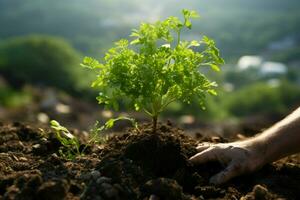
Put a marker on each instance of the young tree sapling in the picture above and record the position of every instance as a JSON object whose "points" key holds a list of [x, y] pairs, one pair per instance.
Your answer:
{"points": [[156, 68]]}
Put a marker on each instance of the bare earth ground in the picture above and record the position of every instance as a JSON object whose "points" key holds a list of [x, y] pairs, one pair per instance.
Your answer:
{"points": [[129, 166]]}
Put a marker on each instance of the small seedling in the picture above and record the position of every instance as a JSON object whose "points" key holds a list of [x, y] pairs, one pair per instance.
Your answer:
{"points": [[95, 133], [67, 139], [156, 68], [71, 142]]}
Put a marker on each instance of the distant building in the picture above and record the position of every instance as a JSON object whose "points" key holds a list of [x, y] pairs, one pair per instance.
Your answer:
{"points": [[264, 68], [273, 68], [246, 62]]}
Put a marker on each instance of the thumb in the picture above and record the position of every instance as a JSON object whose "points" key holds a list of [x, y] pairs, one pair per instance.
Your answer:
{"points": [[233, 170], [204, 156]]}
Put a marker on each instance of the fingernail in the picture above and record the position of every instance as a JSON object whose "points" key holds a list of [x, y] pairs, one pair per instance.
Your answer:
{"points": [[191, 159]]}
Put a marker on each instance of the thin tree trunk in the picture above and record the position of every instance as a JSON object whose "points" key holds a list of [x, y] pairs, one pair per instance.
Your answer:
{"points": [[154, 123]]}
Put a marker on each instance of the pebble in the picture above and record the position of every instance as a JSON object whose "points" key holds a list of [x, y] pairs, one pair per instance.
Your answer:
{"points": [[247, 197], [95, 174], [23, 159], [53, 190], [216, 139], [109, 190], [21, 144], [260, 192], [102, 180], [44, 139], [54, 155], [153, 197], [106, 186], [36, 146], [15, 157]]}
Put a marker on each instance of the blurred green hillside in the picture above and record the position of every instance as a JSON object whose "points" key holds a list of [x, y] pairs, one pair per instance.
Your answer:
{"points": [[239, 26], [42, 43]]}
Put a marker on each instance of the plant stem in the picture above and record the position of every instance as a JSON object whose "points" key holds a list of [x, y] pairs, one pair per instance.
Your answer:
{"points": [[178, 38], [154, 123]]}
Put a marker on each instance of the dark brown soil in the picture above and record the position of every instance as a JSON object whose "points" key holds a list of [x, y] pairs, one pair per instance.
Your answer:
{"points": [[129, 166]]}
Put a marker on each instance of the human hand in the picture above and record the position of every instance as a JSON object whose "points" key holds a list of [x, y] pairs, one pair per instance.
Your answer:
{"points": [[238, 157]]}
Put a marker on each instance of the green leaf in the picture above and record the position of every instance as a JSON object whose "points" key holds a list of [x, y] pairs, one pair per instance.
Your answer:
{"points": [[137, 41], [187, 14], [212, 92], [110, 123], [194, 43], [61, 129], [122, 43], [166, 45], [137, 106], [54, 123], [194, 14], [67, 140], [215, 67], [91, 63], [188, 24], [134, 33]]}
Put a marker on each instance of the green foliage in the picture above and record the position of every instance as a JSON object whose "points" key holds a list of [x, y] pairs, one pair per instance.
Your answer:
{"points": [[254, 99], [111, 122], [288, 55], [67, 139], [261, 98], [40, 60], [95, 132], [240, 27], [12, 98], [242, 78], [71, 145], [156, 68]]}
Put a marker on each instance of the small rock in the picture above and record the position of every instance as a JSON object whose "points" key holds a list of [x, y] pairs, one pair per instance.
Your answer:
{"points": [[53, 190], [260, 192], [247, 197], [54, 159], [11, 192], [110, 192], [102, 180], [21, 144], [36, 146], [54, 155], [95, 174], [106, 186], [23, 159], [201, 197], [164, 188], [216, 139], [42, 117], [153, 197], [15, 158]]}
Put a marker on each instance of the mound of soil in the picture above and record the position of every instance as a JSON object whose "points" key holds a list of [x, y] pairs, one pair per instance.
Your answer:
{"points": [[129, 166]]}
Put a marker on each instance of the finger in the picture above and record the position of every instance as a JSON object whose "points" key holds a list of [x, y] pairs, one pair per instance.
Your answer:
{"points": [[203, 146], [233, 170], [204, 156]]}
